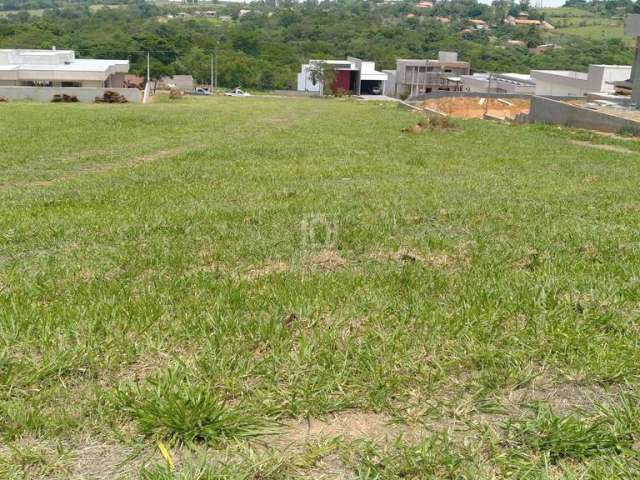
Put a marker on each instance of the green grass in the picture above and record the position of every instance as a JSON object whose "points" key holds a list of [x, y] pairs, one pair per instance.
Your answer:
{"points": [[584, 24], [220, 274]]}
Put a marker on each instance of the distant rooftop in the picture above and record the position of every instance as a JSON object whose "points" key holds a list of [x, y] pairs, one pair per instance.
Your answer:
{"points": [[27, 64]]}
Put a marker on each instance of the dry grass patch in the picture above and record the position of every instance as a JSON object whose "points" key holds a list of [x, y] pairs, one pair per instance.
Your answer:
{"points": [[561, 397], [268, 268], [608, 148], [325, 260], [434, 260]]}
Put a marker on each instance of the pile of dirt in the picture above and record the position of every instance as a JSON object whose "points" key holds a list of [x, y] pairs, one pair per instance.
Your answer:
{"points": [[474, 107], [3, 99], [64, 98], [430, 123], [111, 97], [175, 94]]}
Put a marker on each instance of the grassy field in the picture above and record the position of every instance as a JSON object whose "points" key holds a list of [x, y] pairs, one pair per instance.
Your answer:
{"points": [[582, 23], [285, 288]]}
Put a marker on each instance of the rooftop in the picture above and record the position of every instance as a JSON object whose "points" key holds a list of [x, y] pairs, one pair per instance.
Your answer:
{"points": [[61, 64]]}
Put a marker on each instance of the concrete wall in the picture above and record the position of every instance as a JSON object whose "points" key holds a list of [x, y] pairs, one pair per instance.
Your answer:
{"points": [[444, 94], [553, 89], [45, 94], [546, 110]]}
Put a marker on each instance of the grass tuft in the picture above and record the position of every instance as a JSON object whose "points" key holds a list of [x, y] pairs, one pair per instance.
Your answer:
{"points": [[187, 411], [569, 436]]}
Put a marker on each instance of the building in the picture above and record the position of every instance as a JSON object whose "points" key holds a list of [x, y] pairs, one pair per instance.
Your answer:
{"points": [[540, 49], [351, 75], [566, 83], [479, 24], [39, 74], [512, 83], [424, 4], [516, 43], [414, 77], [58, 68], [523, 20], [181, 82]]}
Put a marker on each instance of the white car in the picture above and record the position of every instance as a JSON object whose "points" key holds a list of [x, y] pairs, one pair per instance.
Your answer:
{"points": [[236, 92]]}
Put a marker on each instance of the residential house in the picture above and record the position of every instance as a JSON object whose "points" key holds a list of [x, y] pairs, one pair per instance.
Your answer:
{"points": [[414, 77], [543, 48], [511, 83], [351, 75], [39, 74], [565, 83], [424, 4], [479, 24], [523, 20]]}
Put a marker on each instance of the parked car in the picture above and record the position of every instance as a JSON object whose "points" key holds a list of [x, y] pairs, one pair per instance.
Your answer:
{"points": [[201, 91], [237, 92]]}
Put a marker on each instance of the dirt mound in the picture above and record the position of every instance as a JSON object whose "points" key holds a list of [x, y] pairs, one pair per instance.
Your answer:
{"points": [[111, 97], [64, 98], [474, 107], [175, 94]]}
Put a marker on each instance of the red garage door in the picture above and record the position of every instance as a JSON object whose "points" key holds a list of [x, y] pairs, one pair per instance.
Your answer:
{"points": [[343, 78]]}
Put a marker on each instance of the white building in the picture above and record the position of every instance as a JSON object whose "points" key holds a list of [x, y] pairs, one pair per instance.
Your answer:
{"points": [[515, 83], [42, 71], [351, 75], [566, 83], [59, 68]]}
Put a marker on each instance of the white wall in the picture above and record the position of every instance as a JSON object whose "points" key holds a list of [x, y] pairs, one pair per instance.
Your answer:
{"points": [[556, 89], [45, 94], [600, 76], [304, 81]]}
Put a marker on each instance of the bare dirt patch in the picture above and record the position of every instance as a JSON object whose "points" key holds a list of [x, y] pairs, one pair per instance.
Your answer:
{"points": [[106, 461], [563, 398], [348, 425], [467, 107]]}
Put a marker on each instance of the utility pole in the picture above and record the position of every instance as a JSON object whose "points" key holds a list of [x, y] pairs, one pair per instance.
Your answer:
{"points": [[216, 69], [486, 105], [148, 68], [211, 80]]}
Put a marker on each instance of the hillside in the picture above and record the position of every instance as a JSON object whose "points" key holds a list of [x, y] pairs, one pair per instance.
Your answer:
{"points": [[264, 48], [586, 24], [279, 288]]}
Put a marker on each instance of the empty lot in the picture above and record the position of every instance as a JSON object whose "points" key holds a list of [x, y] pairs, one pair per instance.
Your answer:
{"points": [[286, 288]]}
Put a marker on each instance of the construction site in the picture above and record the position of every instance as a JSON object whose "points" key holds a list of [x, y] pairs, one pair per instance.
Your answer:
{"points": [[478, 107]]}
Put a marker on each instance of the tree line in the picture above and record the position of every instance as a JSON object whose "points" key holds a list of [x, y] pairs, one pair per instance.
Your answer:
{"points": [[264, 48]]}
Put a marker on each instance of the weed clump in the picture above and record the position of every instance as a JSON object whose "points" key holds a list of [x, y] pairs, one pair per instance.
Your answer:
{"points": [[430, 123], [185, 411], [565, 437]]}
